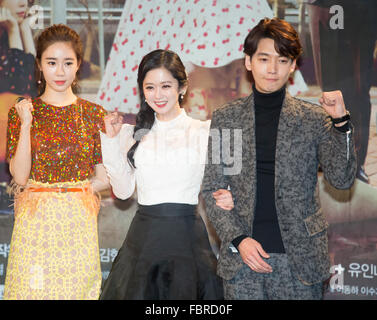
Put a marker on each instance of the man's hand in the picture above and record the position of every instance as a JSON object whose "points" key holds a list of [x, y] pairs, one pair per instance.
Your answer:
{"points": [[251, 253], [333, 103]]}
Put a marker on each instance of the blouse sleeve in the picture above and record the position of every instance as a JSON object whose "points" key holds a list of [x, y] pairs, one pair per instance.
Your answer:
{"points": [[114, 154], [13, 132]]}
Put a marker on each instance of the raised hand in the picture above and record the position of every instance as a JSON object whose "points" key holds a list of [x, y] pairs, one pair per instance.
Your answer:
{"points": [[224, 199], [333, 103], [24, 110], [113, 124], [28, 21], [6, 19]]}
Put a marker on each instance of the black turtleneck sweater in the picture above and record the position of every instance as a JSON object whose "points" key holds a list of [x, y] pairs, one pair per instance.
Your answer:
{"points": [[265, 226]]}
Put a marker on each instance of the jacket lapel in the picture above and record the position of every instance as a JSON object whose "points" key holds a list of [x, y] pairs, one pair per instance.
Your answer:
{"points": [[248, 127], [249, 165], [288, 124]]}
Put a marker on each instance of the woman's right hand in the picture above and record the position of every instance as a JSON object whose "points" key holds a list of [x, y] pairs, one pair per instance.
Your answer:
{"points": [[113, 124], [27, 22], [24, 109], [224, 199]]}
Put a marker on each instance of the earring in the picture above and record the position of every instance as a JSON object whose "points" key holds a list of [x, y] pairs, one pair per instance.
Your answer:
{"points": [[40, 77]]}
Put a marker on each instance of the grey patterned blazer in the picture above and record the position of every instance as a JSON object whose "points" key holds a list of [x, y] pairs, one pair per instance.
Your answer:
{"points": [[305, 139]]}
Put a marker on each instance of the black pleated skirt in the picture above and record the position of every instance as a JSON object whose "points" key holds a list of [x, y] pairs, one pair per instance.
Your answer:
{"points": [[166, 256]]}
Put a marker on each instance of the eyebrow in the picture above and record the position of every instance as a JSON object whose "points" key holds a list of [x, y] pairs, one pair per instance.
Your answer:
{"points": [[51, 58], [149, 83], [268, 55]]}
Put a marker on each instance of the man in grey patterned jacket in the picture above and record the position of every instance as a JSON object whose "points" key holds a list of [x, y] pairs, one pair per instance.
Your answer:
{"points": [[266, 148]]}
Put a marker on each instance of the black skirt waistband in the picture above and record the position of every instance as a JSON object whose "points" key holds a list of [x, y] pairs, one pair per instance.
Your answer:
{"points": [[168, 209]]}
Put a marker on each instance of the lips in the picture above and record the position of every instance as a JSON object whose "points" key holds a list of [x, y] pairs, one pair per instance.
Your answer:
{"points": [[60, 83], [21, 14], [160, 104]]}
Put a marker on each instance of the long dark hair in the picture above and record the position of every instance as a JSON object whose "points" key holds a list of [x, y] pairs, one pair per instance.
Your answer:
{"points": [[49, 36], [145, 117]]}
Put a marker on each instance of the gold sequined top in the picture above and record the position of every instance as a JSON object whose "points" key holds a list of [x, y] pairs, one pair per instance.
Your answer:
{"points": [[65, 141]]}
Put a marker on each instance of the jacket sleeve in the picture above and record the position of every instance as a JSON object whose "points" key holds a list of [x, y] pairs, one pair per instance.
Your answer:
{"points": [[226, 223], [337, 155]]}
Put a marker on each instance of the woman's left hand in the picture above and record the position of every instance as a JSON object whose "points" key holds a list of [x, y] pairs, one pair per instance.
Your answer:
{"points": [[224, 199]]}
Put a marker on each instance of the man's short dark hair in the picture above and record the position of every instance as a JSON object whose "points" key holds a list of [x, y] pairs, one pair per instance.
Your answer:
{"points": [[287, 42]]}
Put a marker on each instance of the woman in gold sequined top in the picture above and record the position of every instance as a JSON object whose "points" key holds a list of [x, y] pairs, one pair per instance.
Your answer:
{"points": [[54, 154]]}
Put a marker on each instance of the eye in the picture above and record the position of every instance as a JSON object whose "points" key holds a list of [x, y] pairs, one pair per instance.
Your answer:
{"points": [[166, 86], [283, 61], [51, 63], [69, 63], [148, 88]]}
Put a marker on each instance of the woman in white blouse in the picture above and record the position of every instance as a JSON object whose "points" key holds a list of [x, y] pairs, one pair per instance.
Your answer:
{"points": [[166, 254]]}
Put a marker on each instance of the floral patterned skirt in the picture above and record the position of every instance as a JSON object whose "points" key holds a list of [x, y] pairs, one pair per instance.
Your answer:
{"points": [[54, 250]]}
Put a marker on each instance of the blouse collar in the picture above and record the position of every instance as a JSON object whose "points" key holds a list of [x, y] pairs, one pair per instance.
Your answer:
{"points": [[171, 123]]}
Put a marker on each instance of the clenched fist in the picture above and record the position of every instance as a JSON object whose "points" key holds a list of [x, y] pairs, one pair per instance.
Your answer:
{"points": [[113, 124], [333, 103], [24, 109]]}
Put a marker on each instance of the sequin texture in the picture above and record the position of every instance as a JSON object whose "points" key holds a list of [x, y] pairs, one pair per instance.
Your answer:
{"points": [[65, 141]]}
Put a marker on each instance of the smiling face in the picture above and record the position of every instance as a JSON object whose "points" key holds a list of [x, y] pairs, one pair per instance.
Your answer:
{"points": [[59, 66], [161, 91], [17, 8], [270, 70]]}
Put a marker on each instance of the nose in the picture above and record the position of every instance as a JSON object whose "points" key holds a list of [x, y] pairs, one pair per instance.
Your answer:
{"points": [[157, 93], [272, 66], [59, 69]]}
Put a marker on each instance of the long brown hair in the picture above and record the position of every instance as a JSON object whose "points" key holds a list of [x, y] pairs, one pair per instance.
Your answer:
{"points": [[49, 36]]}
